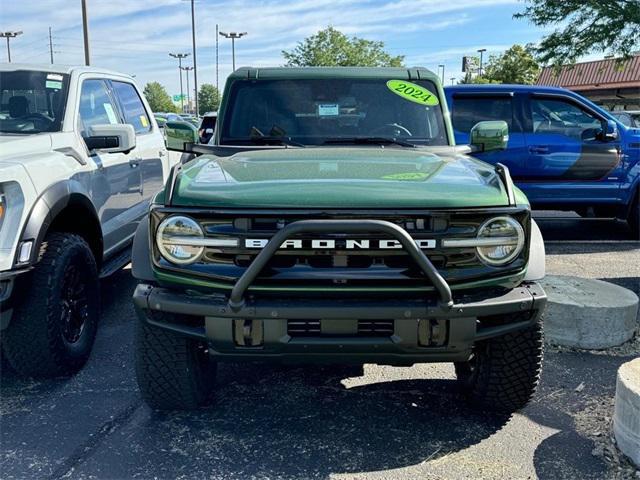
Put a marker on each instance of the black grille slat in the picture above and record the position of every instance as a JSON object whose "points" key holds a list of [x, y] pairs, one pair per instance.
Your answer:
{"points": [[366, 328]]}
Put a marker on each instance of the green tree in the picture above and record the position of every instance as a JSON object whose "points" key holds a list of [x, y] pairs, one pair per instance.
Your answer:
{"points": [[332, 48], [584, 26], [208, 98], [158, 98], [516, 65]]}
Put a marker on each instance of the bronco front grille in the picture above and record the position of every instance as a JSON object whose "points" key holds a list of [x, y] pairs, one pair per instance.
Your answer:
{"points": [[368, 267]]}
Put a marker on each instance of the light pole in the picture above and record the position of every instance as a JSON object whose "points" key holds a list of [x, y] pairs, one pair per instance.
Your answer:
{"points": [[452, 80], [481, 51], [186, 69], [195, 62], [85, 32], [180, 56], [439, 66], [9, 36], [233, 36]]}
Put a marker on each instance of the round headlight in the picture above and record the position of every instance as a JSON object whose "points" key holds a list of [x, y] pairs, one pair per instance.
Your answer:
{"points": [[500, 240], [177, 239]]}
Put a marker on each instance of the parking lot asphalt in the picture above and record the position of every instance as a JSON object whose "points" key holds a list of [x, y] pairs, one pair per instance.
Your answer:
{"points": [[269, 421]]}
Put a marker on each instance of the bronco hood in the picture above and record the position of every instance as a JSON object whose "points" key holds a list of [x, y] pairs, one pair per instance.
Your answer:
{"points": [[339, 177]]}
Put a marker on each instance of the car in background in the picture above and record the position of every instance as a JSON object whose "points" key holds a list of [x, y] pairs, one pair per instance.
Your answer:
{"points": [[564, 152], [207, 126], [629, 118], [187, 117]]}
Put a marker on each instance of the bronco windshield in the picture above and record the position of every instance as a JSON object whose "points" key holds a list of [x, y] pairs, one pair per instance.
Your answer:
{"points": [[31, 101], [333, 111]]}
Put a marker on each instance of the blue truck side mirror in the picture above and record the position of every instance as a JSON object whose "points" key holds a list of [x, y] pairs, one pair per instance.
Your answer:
{"points": [[609, 130]]}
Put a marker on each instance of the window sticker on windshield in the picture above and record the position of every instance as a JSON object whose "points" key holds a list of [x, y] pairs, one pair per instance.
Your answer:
{"points": [[110, 113], [54, 76], [53, 84], [328, 109], [143, 121], [413, 92]]}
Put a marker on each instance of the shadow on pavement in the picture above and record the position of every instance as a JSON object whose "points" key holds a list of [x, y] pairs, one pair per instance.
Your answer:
{"points": [[567, 228], [277, 421], [577, 415]]}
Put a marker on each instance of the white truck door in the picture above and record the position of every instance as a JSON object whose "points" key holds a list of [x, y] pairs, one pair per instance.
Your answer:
{"points": [[149, 141], [116, 185]]}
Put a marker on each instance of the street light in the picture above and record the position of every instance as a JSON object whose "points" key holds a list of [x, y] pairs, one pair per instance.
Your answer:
{"points": [[186, 69], [233, 36], [481, 51], [9, 36], [452, 80], [180, 56]]}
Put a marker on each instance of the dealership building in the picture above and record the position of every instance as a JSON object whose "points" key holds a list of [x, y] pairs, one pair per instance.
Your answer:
{"points": [[615, 86]]}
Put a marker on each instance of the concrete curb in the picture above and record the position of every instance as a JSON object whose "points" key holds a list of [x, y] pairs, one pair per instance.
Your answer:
{"points": [[626, 418], [588, 313]]}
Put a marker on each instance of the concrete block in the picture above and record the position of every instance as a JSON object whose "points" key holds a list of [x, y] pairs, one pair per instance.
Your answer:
{"points": [[626, 418], [588, 313]]}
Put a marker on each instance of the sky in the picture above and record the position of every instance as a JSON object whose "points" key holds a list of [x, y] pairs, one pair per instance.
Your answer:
{"points": [[136, 36]]}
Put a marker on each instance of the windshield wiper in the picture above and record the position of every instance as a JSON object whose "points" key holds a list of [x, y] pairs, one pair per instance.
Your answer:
{"points": [[273, 140], [368, 141], [276, 136]]}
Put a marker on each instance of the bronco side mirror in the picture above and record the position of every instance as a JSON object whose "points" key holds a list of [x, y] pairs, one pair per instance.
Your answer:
{"points": [[488, 136], [177, 134]]}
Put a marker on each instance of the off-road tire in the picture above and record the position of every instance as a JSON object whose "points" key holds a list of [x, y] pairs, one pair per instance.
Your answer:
{"points": [[173, 372], [36, 343], [503, 372]]}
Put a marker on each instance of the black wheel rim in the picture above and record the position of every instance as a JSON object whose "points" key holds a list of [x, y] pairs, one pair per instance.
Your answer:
{"points": [[74, 305]]}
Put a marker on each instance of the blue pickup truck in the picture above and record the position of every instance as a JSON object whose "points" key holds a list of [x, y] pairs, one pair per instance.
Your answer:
{"points": [[564, 152]]}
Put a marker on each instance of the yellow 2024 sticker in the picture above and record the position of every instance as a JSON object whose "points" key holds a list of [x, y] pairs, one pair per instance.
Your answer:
{"points": [[412, 92]]}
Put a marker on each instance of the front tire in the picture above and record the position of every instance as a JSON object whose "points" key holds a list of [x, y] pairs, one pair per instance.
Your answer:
{"points": [[173, 372], [503, 372], [54, 326]]}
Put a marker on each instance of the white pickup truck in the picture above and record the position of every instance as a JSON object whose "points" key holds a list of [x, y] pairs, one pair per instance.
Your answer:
{"points": [[81, 155]]}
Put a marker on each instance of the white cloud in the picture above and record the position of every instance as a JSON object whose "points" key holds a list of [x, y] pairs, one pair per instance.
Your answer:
{"points": [[136, 36]]}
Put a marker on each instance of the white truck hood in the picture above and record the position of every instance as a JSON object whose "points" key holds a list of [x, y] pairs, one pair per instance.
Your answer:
{"points": [[15, 147]]}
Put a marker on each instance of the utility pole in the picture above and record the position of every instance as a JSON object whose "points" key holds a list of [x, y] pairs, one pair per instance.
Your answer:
{"points": [[233, 36], [452, 80], [50, 46], [195, 63], [180, 56], [9, 36], [85, 31], [186, 69], [481, 51], [217, 62], [441, 66]]}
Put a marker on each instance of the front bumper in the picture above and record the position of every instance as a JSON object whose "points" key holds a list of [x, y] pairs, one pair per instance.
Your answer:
{"points": [[259, 328], [8, 280]]}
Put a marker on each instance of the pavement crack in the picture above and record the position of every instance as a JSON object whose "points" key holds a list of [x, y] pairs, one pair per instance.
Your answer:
{"points": [[85, 450]]}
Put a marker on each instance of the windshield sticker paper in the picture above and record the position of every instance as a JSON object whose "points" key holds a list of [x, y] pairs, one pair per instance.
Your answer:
{"points": [[328, 110], [143, 121], [110, 113], [54, 76], [57, 85], [413, 92]]}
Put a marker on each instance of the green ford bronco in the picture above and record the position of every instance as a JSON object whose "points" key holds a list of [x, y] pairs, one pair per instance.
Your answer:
{"points": [[332, 218]]}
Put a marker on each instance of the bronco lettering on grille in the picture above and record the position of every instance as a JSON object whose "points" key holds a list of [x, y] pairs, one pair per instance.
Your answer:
{"points": [[338, 244]]}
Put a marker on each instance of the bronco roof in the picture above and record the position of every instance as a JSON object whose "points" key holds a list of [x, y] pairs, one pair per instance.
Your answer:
{"points": [[413, 73]]}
